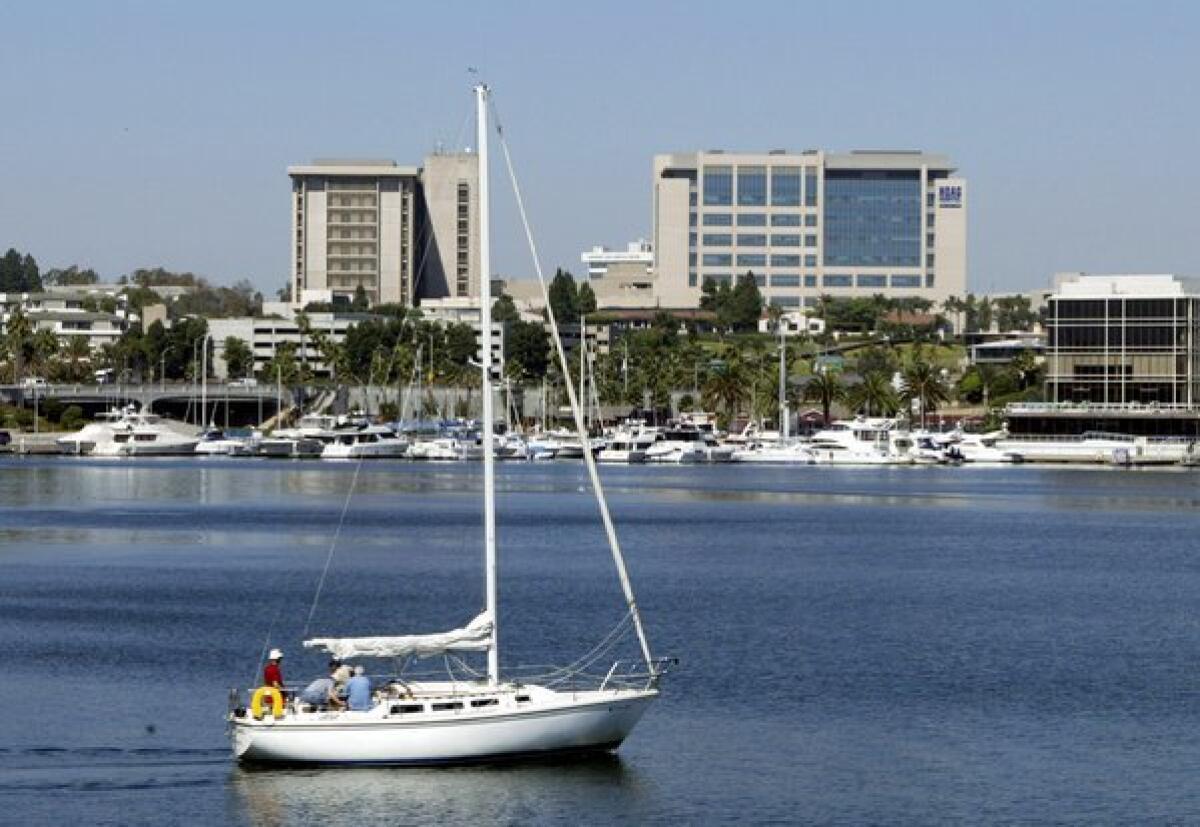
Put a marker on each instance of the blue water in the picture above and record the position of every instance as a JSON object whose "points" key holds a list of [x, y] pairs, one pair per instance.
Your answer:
{"points": [[910, 645]]}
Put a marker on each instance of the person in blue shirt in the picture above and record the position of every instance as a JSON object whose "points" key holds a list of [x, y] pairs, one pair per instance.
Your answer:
{"points": [[358, 691]]}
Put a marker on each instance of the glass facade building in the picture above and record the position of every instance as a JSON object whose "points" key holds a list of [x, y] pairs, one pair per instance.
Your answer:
{"points": [[809, 223], [1134, 339]]}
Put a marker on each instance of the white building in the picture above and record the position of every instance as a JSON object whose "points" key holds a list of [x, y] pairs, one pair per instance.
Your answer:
{"points": [[71, 313], [621, 278], [809, 223]]}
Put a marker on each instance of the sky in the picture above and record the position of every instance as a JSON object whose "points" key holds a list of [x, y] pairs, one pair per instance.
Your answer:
{"points": [[142, 134]]}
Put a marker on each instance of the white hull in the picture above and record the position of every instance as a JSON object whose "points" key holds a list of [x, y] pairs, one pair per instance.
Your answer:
{"points": [[551, 722], [617, 455], [775, 456], [145, 449], [827, 456], [1100, 451], [392, 449]]}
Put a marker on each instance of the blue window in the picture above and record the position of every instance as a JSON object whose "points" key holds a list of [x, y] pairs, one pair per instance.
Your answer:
{"points": [[929, 280], [691, 219], [718, 186], [785, 280], [760, 280], [692, 198], [785, 301], [929, 259], [871, 280], [717, 278], [752, 186], [717, 260], [785, 261], [810, 220], [785, 220], [752, 240], [691, 239], [718, 240], [837, 281], [810, 186], [718, 219], [812, 301], [899, 280], [785, 240], [810, 281], [752, 260], [692, 259], [691, 278], [752, 219], [810, 260], [785, 186], [810, 240], [872, 218]]}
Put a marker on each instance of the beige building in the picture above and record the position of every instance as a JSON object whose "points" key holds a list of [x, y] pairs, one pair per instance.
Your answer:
{"points": [[809, 224], [621, 278], [398, 232]]}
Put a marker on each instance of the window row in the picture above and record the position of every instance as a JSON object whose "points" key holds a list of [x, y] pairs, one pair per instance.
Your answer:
{"points": [[758, 186]]}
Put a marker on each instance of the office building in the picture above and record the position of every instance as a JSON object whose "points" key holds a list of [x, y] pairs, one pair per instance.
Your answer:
{"points": [[400, 233], [810, 223], [1123, 339]]}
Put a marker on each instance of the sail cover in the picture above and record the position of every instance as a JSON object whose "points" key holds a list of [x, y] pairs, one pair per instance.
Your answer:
{"points": [[474, 637]]}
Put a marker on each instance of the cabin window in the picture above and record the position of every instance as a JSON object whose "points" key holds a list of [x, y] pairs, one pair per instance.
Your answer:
{"points": [[485, 702], [522, 699], [446, 707], [407, 709]]}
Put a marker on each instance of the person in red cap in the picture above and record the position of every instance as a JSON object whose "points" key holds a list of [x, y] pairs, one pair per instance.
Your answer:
{"points": [[272, 672]]}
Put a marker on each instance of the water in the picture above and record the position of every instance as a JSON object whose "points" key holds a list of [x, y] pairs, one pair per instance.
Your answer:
{"points": [[910, 645]]}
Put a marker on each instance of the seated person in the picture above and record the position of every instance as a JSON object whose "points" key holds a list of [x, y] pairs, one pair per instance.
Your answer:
{"points": [[358, 691], [321, 694]]}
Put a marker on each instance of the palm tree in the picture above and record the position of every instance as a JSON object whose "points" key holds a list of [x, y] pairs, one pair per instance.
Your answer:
{"points": [[77, 352], [874, 395], [726, 390], [955, 306], [826, 388], [923, 382], [17, 337], [45, 348]]}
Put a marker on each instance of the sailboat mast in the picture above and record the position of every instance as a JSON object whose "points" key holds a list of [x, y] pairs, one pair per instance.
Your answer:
{"points": [[489, 415]]}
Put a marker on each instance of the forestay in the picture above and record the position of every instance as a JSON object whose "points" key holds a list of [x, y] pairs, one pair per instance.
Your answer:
{"points": [[474, 637]]}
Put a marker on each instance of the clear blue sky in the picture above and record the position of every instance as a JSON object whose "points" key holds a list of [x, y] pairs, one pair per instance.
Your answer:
{"points": [[158, 133]]}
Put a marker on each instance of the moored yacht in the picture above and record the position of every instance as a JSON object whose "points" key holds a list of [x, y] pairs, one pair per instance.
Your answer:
{"points": [[861, 441], [363, 441]]}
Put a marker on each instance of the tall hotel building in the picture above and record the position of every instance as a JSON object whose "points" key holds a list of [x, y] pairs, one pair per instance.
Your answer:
{"points": [[400, 232], [809, 224]]}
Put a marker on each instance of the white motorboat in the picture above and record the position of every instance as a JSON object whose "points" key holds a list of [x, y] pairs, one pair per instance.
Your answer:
{"points": [[861, 441], [980, 449], [364, 442], [281, 445], [129, 433], [627, 445], [791, 452], [216, 442], [687, 443], [446, 449], [480, 717]]}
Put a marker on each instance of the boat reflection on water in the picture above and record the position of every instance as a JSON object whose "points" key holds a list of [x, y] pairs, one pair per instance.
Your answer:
{"points": [[504, 793]]}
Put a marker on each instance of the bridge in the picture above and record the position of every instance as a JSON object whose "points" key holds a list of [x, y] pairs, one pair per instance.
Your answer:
{"points": [[232, 404]]}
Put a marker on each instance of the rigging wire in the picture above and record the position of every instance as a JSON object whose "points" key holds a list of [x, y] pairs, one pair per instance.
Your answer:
{"points": [[332, 547]]}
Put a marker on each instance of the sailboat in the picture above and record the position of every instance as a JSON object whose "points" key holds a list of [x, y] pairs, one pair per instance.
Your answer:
{"points": [[466, 716]]}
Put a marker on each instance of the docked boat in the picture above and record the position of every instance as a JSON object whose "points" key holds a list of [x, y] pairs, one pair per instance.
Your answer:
{"points": [[217, 442], [129, 433], [627, 445], [862, 441], [363, 441], [687, 443], [465, 716], [775, 452], [446, 449]]}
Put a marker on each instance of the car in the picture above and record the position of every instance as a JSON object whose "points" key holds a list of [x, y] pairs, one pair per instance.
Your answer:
{"points": [[244, 382]]}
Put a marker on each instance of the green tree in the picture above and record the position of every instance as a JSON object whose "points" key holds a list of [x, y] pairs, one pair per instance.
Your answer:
{"points": [[922, 382], [564, 299], [726, 390], [78, 358], [70, 276], [19, 273], [825, 388], [360, 303], [585, 299], [239, 358], [504, 310], [527, 349], [874, 395], [18, 340], [747, 304]]}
